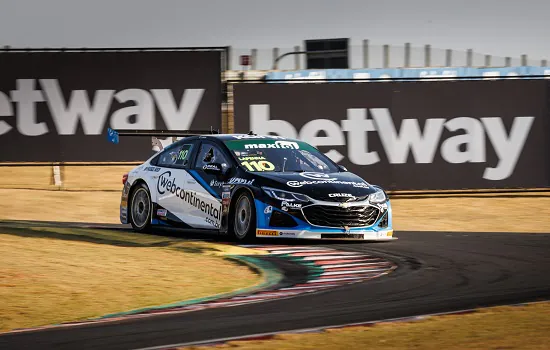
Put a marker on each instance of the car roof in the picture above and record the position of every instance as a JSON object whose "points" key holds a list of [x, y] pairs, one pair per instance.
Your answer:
{"points": [[228, 137]]}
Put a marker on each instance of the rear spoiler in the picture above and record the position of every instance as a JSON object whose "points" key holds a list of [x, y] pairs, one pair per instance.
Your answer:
{"points": [[113, 136]]}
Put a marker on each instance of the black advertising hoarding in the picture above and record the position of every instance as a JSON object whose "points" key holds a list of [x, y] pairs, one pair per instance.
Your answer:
{"points": [[412, 135], [57, 106]]}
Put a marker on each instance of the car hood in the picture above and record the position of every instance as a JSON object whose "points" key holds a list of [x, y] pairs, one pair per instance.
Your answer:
{"points": [[338, 187]]}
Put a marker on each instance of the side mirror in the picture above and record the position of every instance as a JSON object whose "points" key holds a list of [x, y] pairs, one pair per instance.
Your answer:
{"points": [[343, 168], [214, 169]]}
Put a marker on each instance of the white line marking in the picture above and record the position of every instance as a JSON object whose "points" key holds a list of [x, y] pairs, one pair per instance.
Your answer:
{"points": [[332, 257], [351, 272], [328, 267]]}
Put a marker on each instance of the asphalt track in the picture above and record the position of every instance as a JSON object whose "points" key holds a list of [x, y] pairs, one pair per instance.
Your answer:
{"points": [[438, 272]]}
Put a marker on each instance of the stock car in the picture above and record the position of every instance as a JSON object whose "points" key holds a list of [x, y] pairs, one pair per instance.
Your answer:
{"points": [[249, 185]]}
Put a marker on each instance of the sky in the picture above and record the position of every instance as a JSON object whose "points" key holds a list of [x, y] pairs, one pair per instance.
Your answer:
{"points": [[496, 27]]}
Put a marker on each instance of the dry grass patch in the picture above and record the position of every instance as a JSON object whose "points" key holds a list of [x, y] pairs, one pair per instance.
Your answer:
{"points": [[481, 214], [498, 328], [97, 207], [46, 281]]}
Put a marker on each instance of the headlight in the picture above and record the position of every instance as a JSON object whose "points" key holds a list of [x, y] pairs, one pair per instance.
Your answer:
{"points": [[378, 197], [285, 195]]}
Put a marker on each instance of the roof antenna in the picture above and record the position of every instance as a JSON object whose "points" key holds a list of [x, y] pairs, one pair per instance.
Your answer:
{"points": [[251, 133]]}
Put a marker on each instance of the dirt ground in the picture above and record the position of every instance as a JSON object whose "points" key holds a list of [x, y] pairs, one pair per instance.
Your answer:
{"points": [[92, 194]]}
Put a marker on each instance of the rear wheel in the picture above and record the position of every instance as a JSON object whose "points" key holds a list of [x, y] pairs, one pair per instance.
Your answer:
{"points": [[243, 218], [140, 209]]}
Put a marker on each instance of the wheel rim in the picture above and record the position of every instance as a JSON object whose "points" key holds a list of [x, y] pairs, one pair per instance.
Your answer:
{"points": [[243, 216], [141, 205]]}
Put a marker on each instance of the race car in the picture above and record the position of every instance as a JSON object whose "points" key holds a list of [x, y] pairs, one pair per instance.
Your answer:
{"points": [[248, 186]]}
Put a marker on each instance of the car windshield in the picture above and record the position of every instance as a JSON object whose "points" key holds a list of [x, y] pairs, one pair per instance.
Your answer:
{"points": [[261, 155]]}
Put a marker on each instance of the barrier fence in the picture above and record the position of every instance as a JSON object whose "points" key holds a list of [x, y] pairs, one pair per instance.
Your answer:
{"points": [[431, 134], [56, 104]]}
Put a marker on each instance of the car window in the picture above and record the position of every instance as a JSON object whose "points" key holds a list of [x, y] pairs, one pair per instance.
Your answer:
{"points": [[177, 156], [210, 153], [261, 155]]}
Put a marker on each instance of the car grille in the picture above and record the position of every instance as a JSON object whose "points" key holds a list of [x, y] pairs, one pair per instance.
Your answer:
{"points": [[340, 199], [384, 222], [332, 216]]}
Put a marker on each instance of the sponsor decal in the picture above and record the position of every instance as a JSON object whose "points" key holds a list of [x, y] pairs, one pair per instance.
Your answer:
{"points": [[226, 188], [266, 233], [321, 182], [398, 144], [317, 176], [268, 209], [210, 167], [167, 183], [347, 195], [239, 181], [162, 212], [216, 183], [287, 205], [251, 158], [92, 109], [124, 203], [152, 168], [226, 195], [287, 234], [276, 144]]}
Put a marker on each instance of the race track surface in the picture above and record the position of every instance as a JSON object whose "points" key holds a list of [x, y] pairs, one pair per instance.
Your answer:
{"points": [[437, 272]]}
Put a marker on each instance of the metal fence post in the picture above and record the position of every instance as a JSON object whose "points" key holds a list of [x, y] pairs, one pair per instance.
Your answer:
{"points": [[275, 55], [228, 59], [487, 60], [407, 55], [427, 55], [448, 58], [508, 61], [386, 56], [253, 58], [469, 57], [524, 60], [365, 53], [297, 58]]}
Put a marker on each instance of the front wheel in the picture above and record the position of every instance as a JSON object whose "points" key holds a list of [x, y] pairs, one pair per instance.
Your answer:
{"points": [[243, 218], [140, 209]]}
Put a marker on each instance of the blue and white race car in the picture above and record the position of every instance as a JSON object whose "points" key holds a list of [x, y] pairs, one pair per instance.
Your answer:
{"points": [[248, 185]]}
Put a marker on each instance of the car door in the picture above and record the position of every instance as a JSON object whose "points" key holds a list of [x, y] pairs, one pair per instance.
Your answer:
{"points": [[173, 197], [208, 187]]}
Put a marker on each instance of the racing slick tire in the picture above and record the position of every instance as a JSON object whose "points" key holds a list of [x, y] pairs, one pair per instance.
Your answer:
{"points": [[242, 220], [140, 209]]}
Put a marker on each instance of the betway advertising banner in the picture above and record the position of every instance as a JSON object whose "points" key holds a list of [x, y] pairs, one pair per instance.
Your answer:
{"points": [[57, 106], [412, 135]]}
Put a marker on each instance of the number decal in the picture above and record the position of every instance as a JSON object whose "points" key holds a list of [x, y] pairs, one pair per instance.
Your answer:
{"points": [[262, 165]]}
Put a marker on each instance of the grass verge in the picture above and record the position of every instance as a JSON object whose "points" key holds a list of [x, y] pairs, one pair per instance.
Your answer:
{"points": [[510, 327], [52, 275], [458, 214], [92, 194]]}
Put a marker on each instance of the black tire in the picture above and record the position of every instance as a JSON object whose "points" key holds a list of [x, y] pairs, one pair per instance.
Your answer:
{"points": [[140, 208], [242, 219]]}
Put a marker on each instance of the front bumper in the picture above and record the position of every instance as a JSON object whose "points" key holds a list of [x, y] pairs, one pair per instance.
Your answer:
{"points": [[380, 230], [355, 235]]}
